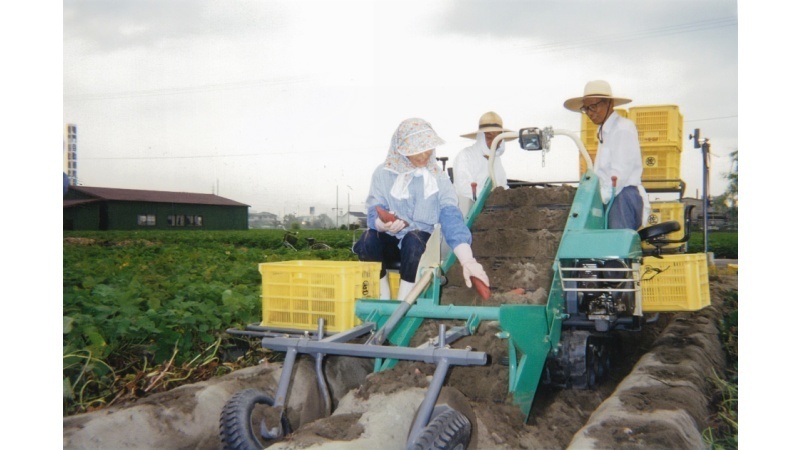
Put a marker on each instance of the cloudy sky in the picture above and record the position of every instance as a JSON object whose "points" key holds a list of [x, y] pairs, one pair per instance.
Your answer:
{"points": [[280, 104]]}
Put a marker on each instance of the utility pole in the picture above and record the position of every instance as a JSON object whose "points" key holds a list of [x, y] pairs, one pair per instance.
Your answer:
{"points": [[706, 152], [337, 206]]}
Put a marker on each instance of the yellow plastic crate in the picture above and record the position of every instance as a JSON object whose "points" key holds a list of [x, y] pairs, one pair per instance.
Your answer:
{"points": [[660, 163], [653, 185], [661, 212], [592, 154], [675, 283], [295, 294], [394, 283], [658, 125]]}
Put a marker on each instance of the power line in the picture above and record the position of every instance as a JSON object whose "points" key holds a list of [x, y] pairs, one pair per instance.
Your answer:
{"points": [[350, 150], [712, 118], [187, 90], [629, 36]]}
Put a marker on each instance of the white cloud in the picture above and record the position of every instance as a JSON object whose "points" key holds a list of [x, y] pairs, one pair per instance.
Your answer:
{"points": [[279, 102]]}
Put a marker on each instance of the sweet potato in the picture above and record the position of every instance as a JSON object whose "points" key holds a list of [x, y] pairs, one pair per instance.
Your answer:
{"points": [[385, 215], [481, 287]]}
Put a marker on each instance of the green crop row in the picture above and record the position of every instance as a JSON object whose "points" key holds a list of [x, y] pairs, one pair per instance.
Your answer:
{"points": [[134, 299], [724, 244]]}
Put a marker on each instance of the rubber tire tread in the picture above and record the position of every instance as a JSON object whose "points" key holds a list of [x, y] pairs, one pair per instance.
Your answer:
{"points": [[235, 429], [444, 432]]}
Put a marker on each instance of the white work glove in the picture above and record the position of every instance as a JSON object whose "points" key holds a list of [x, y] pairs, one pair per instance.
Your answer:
{"points": [[396, 226], [393, 227], [380, 226], [471, 267]]}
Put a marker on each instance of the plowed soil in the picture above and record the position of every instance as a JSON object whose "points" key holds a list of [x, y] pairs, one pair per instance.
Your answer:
{"points": [[657, 394], [516, 239]]}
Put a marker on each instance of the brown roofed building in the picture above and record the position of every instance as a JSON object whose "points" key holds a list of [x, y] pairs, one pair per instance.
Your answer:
{"points": [[98, 208]]}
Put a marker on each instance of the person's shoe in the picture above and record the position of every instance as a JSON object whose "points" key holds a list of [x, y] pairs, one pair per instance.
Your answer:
{"points": [[404, 289]]}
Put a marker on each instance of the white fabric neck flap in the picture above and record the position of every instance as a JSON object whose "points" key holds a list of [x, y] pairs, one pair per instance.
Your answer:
{"points": [[400, 186]]}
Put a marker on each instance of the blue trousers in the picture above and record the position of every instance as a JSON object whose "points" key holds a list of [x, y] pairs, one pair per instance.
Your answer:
{"points": [[384, 248], [626, 211]]}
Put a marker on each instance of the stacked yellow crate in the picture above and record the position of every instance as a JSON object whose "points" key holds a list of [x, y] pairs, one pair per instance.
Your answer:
{"points": [[661, 140], [664, 212]]}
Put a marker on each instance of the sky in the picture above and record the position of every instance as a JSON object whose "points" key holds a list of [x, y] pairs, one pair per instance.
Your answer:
{"points": [[280, 104], [288, 105]]}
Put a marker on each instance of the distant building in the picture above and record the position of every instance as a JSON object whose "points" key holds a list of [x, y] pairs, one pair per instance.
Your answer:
{"points": [[716, 220], [697, 211], [71, 154], [357, 219], [262, 220], [99, 208]]}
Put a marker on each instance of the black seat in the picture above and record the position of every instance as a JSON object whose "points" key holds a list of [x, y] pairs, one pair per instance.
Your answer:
{"points": [[659, 229], [654, 234]]}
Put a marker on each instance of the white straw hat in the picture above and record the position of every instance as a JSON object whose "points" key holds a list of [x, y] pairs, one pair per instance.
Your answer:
{"points": [[491, 121], [594, 89]]}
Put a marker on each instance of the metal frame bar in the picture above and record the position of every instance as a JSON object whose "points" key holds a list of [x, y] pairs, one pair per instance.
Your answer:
{"points": [[435, 351], [634, 279]]}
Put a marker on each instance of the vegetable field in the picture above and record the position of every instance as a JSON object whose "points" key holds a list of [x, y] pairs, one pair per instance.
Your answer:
{"points": [[144, 312], [147, 311]]}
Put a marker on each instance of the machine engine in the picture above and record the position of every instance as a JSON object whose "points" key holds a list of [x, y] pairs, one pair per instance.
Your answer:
{"points": [[601, 294]]}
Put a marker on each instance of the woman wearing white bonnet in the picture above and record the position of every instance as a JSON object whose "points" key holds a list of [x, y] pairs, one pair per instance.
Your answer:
{"points": [[411, 185]]}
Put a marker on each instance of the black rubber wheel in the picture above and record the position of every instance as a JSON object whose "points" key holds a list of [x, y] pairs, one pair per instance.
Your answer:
{"points": [[591, 368], [241, 429], [320, 246], [447, 430]]}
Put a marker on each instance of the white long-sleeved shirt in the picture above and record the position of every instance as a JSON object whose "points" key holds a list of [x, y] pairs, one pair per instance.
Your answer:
{"points": [[420, 212], [471, 165], [618, 155]]}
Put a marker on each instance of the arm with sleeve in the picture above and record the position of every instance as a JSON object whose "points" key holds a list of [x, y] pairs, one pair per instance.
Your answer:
{"points": [[619, 155], [376, 196]]}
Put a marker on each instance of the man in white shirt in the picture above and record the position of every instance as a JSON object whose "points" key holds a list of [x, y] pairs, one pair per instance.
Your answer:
{"points": [[471, 165], [619, 157]]}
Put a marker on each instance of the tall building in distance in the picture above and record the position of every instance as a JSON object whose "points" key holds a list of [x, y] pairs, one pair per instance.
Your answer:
{"points": [[71, 143]]}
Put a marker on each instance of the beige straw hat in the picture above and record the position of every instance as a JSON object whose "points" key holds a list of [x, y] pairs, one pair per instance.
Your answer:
{"points": [[491, 121], [594, 89]]}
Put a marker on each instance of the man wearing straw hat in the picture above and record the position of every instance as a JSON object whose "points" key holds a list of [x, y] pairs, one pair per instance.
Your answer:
{"points": [[618, 155], [471, 165]]}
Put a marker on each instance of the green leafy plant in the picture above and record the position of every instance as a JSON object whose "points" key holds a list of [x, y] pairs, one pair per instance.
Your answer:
{"points": [[724, 244], [138, 303], [723, 433]]}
